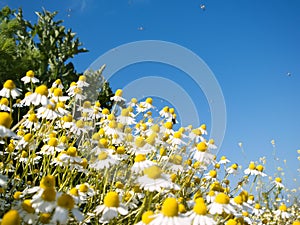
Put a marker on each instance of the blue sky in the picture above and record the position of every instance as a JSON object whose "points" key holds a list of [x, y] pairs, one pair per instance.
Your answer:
{"points": [[249, 45]]}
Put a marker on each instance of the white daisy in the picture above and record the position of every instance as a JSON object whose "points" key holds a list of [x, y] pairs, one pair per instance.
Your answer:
{"points": [[141, 163], [40, 96], [29, 78], [65, 205], [9, 90], [199, 215], [155, 180], [4, 105], [118, 96], [111, 208], [221, 204], [104, 160], [170, 214]]}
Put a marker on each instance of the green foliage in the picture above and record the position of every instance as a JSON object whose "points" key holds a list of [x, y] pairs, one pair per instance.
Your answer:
{"points": [[46, 47]]}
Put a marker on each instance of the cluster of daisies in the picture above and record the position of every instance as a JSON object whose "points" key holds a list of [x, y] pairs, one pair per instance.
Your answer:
{"points": [[67, 160]]}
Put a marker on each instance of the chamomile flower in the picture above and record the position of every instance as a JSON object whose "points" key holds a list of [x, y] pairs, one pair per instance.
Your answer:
{"points": [[5, 123], [104, 160], [58, 84], [51, 148], [170, 214], [12, 217], [164, 113], [27, 212], [199, 214], [223, 160], [118, 96], [82, 81], [85, 191], [111, 208], [57, 95], [40, 96], [257, 210], [233, 169], [201, 154], [155, 180], [251, 170], [282, 212], [144, 106], [278, 182], [125, 117], [66, 205], [29, 78], [31, 122], [141, 163], [48, 112], [221, 204], [70, 156], [4, 105], [147, 218], [9, 90]]}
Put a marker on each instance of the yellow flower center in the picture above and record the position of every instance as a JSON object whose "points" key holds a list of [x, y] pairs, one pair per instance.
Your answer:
{"points": [[172, 110], [42, 90], [203, 126], [231, 222], [24, 154], [213, 173], [80, 124], [83, 188], [5, 119], [82, 78], [57, 92], [260, 168], [103, 142], [222, 198], [102, 155], [49, 194], [283, 208], [223, 158], [72, 151], [111, 199], [200, 207], [68, 118], [53, 142], [244, 195], [119, 93], [202, 146], [234, 166], [151, 139], [113, 124], [9, 84], [140, 142], [257, 206], [17, 195], [33, 118], [177, 135], [120, 150], [47, 182], [12, 217], [153, 172], [251, 166], [26, 205], [45, 218], [176, 159], [74, 191], [4, 101], [147, 217], [169, 125], [125, 112], [66, 201], [170, 207], [155, 128], [30, 74], [140, 158], [238, 200], [296, 223], [149, 101], [278, 179]]}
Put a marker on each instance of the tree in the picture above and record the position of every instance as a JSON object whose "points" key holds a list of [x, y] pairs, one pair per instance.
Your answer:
{"points": [[46, 47]]}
